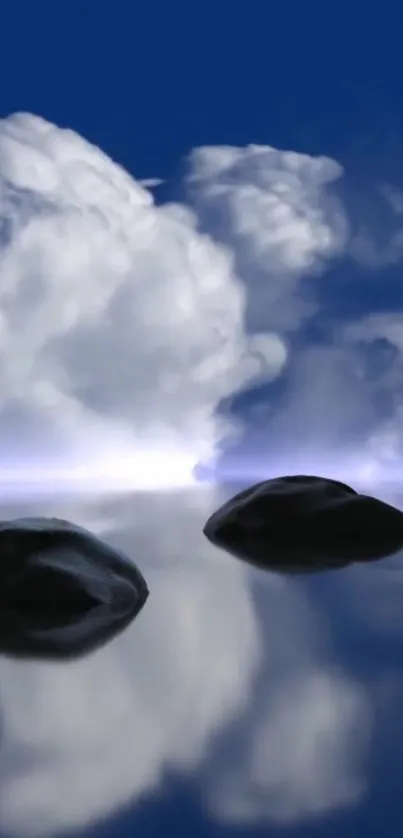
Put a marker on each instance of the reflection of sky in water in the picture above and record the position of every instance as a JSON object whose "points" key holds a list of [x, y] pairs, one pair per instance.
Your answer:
{"points": [[236, 698]]}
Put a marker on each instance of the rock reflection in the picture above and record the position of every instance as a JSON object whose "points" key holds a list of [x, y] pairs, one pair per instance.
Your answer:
{"points": [[63, 592], [303, 523]]}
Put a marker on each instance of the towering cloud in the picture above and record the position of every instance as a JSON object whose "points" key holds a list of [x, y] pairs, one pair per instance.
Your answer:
{"points": [[121, 325]]}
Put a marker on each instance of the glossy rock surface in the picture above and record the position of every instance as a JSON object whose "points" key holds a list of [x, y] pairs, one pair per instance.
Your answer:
{"points": [[302, 523], [63, 591]]}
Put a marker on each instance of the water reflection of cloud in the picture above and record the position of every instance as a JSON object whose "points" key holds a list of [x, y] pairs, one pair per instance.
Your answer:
{"points": [[305, 755], [207, 656], [374, 600]]}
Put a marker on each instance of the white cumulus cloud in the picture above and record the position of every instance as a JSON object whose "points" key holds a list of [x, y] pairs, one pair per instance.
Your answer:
{"points": [[277, 213], [119, 322]]}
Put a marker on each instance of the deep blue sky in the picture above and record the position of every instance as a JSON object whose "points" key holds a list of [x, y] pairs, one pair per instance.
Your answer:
{"points": [[148, 82]]}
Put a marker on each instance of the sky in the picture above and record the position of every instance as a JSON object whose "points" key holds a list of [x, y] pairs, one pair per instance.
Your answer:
{"points": [[201, 248]]}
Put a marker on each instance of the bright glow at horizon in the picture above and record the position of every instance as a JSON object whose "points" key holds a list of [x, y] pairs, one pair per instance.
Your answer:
{"points": [[111, 472], [364, 474]]}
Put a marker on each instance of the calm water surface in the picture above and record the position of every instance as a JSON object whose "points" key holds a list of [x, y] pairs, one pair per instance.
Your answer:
{"points": [[238, 703]]}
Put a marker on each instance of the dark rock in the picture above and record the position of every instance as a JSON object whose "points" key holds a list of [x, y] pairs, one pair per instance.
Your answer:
{"points": [[63, 591], [303, 523]]}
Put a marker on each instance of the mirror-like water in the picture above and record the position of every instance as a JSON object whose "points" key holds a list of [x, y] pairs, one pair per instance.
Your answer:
{"points": [[238, 700]]}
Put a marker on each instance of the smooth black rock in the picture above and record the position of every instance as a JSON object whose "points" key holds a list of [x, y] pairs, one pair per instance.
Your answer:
{"points": [[303, 523], [63, 591]]}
